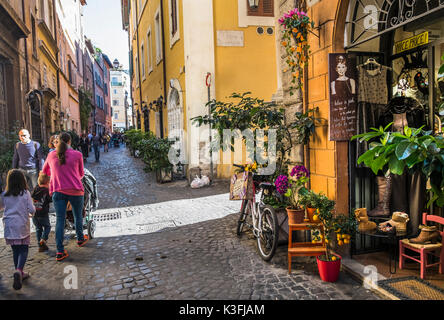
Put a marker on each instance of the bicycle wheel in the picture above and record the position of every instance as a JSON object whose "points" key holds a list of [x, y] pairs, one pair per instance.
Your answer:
{"points": [[268, 239], [244, 213]]}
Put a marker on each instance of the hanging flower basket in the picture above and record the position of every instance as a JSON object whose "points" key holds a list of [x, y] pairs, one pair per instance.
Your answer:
{"points": [[296, 26]]}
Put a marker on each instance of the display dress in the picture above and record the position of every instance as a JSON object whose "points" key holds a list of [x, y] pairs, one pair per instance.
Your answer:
{"points": [[372, 98]]}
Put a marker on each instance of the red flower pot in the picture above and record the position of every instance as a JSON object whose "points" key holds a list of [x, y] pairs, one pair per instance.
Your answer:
{"points": [[329, 270]]}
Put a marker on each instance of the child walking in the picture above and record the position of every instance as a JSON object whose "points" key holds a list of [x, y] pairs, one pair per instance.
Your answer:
{"points": [[41, 198], [18, 205]]}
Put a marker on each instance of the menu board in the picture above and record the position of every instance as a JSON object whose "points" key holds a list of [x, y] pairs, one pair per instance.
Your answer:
{"points": [[343, 96]]}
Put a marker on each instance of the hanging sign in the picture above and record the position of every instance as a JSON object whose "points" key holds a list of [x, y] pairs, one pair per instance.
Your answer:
{"points": [[343, 96], [411, 43]]}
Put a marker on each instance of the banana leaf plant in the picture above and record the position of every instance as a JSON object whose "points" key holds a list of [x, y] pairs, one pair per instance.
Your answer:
{"points": [[413, 150]]}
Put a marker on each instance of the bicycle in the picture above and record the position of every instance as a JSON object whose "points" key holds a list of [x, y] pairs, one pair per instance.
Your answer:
{"points": [[260, 218]]}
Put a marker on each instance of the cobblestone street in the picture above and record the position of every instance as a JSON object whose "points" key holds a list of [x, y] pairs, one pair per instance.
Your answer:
{"points": [[194, 255]]}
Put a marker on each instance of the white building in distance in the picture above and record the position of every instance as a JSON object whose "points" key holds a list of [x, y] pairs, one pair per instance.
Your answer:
{"points": [[120, 100]]}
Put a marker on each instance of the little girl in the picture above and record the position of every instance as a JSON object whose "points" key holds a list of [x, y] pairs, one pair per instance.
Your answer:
{"points": [[19, 207]]}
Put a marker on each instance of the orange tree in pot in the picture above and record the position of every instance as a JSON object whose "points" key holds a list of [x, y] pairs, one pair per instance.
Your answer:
{"points": [[292, 187], [337, 226]]}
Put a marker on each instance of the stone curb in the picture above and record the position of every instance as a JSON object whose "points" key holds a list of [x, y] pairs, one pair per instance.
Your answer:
{"points": [[356, 270]]}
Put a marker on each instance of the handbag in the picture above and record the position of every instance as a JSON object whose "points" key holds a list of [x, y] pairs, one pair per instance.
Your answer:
{"points": [[241, 186]]}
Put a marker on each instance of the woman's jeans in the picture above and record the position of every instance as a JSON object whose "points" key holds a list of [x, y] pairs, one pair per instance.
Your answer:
{"points": [[60, 201], [20, 254]]}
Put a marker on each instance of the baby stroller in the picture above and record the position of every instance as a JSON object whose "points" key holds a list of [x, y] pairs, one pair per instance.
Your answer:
{"points": [[90, 204]]}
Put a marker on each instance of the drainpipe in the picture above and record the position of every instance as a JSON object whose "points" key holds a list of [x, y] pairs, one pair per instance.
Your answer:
{"points": [[138, 67], [54, 14], [164, 70], [27, 66]]}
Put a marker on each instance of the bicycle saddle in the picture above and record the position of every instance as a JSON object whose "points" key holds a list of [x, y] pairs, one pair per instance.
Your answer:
{"points": [[266, 185]]}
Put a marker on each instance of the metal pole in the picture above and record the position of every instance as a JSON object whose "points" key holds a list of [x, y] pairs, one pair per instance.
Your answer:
{"points": [[209, 124]]}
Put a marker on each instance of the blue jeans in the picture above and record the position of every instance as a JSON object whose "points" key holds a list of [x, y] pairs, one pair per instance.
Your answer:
{"points": [[60, 201], [20, 254], [42, 227], [97, 152]]}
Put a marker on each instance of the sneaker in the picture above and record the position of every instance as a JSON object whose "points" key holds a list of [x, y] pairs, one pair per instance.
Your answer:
{"points": [[42, 246], [17, 285], [61, 255], [25, 275], [81, 243]]}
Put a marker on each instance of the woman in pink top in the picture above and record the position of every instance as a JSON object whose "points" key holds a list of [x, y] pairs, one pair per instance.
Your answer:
{"points": [[65, 167]]}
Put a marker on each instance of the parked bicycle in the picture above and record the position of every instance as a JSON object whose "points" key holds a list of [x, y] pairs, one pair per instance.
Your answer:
{"points": [[260, 218]]}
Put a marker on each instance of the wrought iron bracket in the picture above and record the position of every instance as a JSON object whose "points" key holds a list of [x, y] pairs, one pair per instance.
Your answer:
{"points": [[318, 29]]}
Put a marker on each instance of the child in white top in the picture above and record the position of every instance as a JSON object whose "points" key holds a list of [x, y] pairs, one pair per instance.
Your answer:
{"points": [[19, 208]]}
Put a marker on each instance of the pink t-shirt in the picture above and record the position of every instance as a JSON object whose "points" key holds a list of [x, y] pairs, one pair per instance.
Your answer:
{"points": [[68, 177]]}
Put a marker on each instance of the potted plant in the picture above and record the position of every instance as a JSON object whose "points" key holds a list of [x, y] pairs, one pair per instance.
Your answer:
{"points": [[296, 26], [343, 226], [310, 201], [414, 150], [292, 187]]}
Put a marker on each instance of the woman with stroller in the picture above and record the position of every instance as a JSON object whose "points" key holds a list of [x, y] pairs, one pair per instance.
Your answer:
{"points": [[65, 167]]}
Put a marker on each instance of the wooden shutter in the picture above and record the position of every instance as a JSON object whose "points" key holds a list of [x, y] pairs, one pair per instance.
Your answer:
{"points": [[264, 9]]}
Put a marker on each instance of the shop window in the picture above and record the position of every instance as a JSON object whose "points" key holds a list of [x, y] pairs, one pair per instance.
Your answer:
{"points": [[264, 9]]}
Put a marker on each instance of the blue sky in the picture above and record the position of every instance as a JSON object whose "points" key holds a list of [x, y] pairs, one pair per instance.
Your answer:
{"points": [[103, 25]]}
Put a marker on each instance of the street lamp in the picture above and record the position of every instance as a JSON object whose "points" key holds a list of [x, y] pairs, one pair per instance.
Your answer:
{"points": [[253, 3]]}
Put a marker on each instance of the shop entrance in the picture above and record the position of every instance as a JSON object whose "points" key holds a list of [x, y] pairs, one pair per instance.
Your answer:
{"points": [[402, 46]]}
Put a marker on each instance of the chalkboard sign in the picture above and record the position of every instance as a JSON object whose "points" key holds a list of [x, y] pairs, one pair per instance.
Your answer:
{"points": [[343, 96]]}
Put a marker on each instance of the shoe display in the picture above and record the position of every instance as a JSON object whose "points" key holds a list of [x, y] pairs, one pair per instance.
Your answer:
{"points": [[384, 194], [399, 221], [429, 234], [17, 284], [61, 255], [364, 223], [386, 228], [84, 241]]}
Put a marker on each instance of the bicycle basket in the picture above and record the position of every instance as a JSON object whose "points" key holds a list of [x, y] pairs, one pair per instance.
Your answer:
{"points": [[241, 186]]}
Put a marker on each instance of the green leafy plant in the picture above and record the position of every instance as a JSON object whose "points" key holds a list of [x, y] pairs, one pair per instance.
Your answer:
{"points": [[245, 112], [8, 140], [342, 225], [304, 125], [309, 199], [85, 106], [413, 150]]}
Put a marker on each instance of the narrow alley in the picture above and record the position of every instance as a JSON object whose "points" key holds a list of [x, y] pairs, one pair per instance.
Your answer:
{"points": [[195, 253]]}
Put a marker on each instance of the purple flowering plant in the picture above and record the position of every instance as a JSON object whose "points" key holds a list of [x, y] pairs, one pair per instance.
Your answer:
{"points": [[293, 186]]}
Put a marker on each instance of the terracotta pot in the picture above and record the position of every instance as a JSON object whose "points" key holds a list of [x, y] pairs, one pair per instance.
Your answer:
{"points": [[329, 270], [295, 216], [310, 213]]}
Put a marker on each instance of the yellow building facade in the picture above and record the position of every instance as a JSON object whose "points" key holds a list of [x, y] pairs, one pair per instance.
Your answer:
{"points": [[47, 56], [175, 44]]}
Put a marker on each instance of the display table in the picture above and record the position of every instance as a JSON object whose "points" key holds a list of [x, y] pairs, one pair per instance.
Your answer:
{"points": [[298, 249], [392, 240]]}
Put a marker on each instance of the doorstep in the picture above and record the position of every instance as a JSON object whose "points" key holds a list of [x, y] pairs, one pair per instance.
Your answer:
{"points": [[367, 277]]}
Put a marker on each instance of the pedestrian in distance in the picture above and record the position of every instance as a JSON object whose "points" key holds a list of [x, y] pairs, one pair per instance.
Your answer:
{"points": [[84, 146], [28, 157], [96, 143], [52, 144], [90, 136], [106, 139], [65, 167], [42, 199], [18, 205]]}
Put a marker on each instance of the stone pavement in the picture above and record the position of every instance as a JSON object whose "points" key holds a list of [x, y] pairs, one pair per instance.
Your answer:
{"points": [[187, 259]]}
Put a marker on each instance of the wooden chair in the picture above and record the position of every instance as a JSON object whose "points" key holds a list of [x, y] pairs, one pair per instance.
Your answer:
{"points": [[424, 249]]}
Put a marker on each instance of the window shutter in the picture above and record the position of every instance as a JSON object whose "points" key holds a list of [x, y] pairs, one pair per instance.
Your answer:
{"points": [[264, 9]]}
